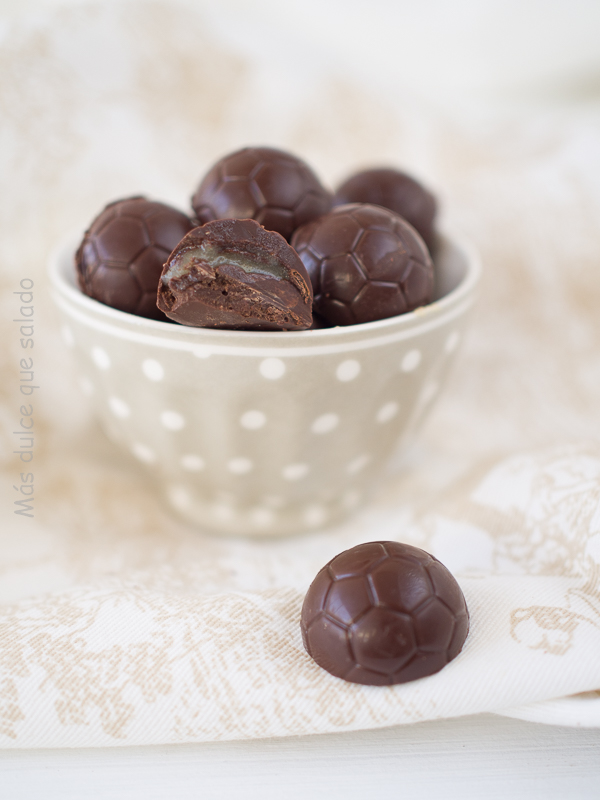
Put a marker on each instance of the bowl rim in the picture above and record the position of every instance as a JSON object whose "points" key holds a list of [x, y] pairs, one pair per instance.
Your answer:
{"points": [[207, 341]]}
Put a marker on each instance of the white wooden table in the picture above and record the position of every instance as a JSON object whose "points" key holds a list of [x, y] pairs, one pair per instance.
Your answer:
{"points": [[484, 757]]}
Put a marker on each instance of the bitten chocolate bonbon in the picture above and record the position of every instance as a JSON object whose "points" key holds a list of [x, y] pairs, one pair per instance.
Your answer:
{"points": [[122, 253], [384, 613], [235, 274], [277, 189], [394, 190], [365, 263]]}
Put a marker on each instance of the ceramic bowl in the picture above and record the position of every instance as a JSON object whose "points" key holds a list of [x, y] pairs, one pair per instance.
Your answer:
{"points": [[266, 433]]}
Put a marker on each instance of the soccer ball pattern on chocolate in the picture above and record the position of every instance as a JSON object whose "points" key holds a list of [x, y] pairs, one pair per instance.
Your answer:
{"points": [[365, 263], [120, 259], [395, 190], [384, 613], [275, 188]]}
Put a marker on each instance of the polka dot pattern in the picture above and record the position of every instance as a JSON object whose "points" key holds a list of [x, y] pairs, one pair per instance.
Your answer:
{"points": [[239, 466], [314, 516], [411, 360], [227, 509], [119, 407], [348, 370], [452, 342], [101, 358], [295, 472], [253, 420], [262, 517], [357, 464], [153, 369], [172, 420], [325, 423], [179, 496], [143, 453], [272, 368], [192, 462], [201, 351], [387, 412]]}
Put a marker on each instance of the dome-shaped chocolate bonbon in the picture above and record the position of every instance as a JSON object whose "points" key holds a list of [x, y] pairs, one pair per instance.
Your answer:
{"points": [[384, 613], [121, 257], [394, 190], [277, 189], [365, 263]]}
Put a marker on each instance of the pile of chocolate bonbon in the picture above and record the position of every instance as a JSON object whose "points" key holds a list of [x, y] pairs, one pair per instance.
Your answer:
{"points": [[384, 613], [357, 256]]}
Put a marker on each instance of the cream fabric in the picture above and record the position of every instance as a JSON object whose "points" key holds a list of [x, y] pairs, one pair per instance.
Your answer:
{"points": [[119, 625]]}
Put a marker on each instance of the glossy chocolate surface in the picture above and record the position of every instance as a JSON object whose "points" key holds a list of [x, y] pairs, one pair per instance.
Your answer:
{"points": [[384, 613], [365, 263], [394, 190], [121, 257], [275, 188], [235, 274]]}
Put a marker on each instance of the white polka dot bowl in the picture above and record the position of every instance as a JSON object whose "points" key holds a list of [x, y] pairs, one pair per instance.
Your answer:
{"points": [[266, 433]]}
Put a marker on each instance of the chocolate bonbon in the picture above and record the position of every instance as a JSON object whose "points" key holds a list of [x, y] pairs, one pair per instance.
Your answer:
{"points": [[394, 190], [384, 613], [365, 263], [235, 274], [122, 253], [277, 189]]}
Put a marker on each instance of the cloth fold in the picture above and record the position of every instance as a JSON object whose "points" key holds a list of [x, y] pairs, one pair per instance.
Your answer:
{"points": [[106, 665]]}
